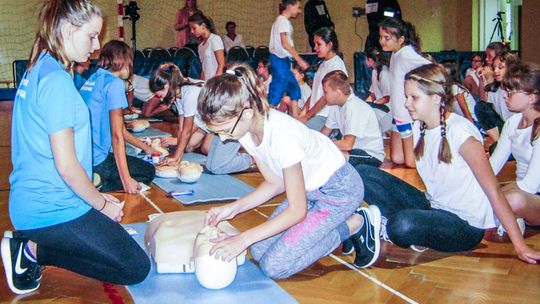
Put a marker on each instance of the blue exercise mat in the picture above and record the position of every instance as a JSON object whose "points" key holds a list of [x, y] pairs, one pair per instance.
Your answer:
{"points": [[208, 188], [152, 133], [249, 286]]}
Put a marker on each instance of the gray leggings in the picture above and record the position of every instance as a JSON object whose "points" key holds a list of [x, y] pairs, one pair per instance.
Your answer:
{"points": [[321, 231]]}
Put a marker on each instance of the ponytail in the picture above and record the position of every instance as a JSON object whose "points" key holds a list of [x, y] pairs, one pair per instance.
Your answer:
{"points": [[200, 18]]}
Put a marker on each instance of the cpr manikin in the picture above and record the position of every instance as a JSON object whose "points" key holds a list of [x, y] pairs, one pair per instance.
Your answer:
{"points": [[178, 244]]}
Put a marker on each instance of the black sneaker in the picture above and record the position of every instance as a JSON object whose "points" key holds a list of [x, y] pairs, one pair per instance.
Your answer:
{"points": [[23, 276], [366, 242], [347, 248]]}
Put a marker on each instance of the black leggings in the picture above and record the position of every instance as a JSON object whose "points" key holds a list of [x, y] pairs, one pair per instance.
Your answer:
{"points": [[92, 245], [139, 170], [411, 220], [487, 117]]}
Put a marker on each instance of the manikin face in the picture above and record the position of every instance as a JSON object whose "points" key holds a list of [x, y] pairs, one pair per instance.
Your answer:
{"points": [[499, 69], [420, 105], [197, 29], [81, 42], [322, 48], [389, 42]]}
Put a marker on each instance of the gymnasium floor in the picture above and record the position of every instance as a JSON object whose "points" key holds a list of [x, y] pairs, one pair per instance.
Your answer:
{"points": [[489, 274]]}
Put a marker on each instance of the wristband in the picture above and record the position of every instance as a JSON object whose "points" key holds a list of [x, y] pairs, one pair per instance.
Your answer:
{"points": [[104, 204]]}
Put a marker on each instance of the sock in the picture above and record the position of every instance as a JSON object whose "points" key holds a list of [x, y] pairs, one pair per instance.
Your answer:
{"points": [[28, 254], [360, 226]]}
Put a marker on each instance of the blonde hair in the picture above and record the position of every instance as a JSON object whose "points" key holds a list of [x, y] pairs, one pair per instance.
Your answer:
{"points": [[432, 79], [224, 96], [52, 16]]}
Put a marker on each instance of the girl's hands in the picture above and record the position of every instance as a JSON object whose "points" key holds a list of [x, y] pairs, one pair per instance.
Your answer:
{"points": [[228, 247], [113, 207], [169, 161], [528, 255], [218, 214], [169, 141], [131, 186]]}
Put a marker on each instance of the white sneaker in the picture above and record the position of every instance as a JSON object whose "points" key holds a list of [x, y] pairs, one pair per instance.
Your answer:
{"points": [[521, 224]]}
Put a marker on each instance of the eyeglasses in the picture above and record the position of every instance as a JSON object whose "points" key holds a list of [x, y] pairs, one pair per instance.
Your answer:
{"points": [[510, 93], [230, 132]]}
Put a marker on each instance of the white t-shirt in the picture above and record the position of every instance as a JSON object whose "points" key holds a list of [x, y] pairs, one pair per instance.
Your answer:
{"points": [[306, 93], [141, 88], [286, 141], [471, 72], [357, 118], [453, 187], [402, 62], [497, 99], [187, 103], [267, 83], [281, 25], [517, 142], [469, 99], [380, 86], [228, 43], [207, 55], [327, 66]]}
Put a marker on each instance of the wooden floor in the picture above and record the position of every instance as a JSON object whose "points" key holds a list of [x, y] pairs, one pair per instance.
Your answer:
{"points": [[489, 274]]}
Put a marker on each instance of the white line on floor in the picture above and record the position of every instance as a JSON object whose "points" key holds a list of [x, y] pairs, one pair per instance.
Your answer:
{"points": [[151, 202]]}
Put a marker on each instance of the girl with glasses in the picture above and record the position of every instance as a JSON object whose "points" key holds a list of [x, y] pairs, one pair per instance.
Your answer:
{"points": [[520, 138], [323, 190]]}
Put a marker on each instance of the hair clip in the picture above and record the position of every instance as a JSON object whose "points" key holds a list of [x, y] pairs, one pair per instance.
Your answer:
{"points": [[234, 73]]}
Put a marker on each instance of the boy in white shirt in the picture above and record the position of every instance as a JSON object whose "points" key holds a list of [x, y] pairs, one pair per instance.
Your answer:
{"points": [[282, 52], [362, 142]]}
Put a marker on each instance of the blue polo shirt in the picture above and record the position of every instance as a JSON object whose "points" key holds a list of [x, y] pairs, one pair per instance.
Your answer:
{"points": [[46, 102], [103, 92]]}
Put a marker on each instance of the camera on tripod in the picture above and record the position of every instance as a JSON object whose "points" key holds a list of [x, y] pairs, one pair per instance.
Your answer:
{"points": [[498, 18], [130, 11]]}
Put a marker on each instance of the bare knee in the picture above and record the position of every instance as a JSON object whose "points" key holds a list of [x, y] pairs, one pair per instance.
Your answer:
{"points": [[517, 201]]}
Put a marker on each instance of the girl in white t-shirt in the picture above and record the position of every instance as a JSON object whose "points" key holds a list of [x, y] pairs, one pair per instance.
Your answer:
{"points": [[493, 113], [380, 88], [462, 194], [223, 158], [315, 110], [323, 190], [304, 82], [211, 50], [520, 137], [400, 38], [474, 82]]}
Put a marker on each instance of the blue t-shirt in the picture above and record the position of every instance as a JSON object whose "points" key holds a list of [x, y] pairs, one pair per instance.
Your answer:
{"points": [[78, 79], [46, 102], [103, 92]]}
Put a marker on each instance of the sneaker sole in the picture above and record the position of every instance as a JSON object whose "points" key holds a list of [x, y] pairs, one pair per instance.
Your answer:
{"points": [[8, 266], [377, 230]]}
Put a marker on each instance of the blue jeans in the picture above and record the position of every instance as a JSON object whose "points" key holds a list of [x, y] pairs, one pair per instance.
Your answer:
{"points": [[224, 158], [319, 233], [92, 245], [283, 81], [410, 218]]}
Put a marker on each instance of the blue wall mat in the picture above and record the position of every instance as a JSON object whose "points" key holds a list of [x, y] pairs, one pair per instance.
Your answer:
{"points": [[208, 188], [249, 286]]}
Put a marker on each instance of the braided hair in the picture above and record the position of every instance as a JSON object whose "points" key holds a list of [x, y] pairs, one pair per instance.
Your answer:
{"points": [[432, 79]]}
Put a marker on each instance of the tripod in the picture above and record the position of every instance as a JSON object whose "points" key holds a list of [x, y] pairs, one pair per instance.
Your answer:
{"points": [[498, 27], [132, 15]]}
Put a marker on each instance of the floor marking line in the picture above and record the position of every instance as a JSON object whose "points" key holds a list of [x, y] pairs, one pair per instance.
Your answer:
{"points": [[367, 276], [151, 202]]}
